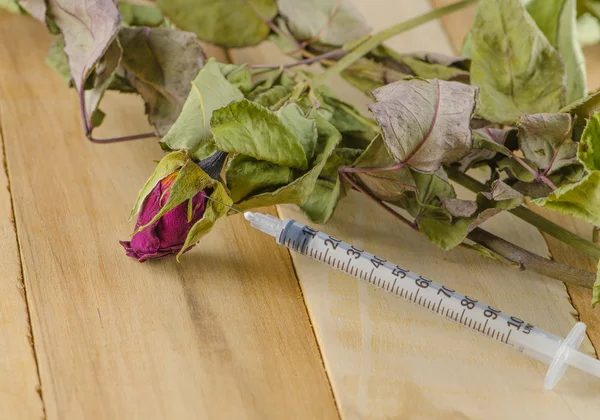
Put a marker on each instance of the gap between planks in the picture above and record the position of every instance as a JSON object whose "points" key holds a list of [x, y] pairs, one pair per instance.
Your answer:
{"points": [[21, 279]]}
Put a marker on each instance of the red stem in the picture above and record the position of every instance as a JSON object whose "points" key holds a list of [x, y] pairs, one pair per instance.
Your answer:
{"points": [[88, 129]]}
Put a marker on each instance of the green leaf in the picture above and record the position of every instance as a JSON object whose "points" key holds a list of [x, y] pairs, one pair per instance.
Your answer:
{"points": [[387, 186], [513, 63], [88, 27], [213, 210], [367, 75], [584, 108], [104, 75], [467, 215], [167, 165], [329, 190], [298, 191], [247, 128], [581, 199], [516, 170], [330, 22], [58, 60], [190, 180], [346, 118], [304, 129], [238, 76], [246, 176], [322, 201], [596, 289], [274, 97], [589, 145], [210, 91], [140, 15], [428, 70], [487, 143], [160, 63], [425, 123], [229, 23], [545, 140], [557, 20], [10, 5]]}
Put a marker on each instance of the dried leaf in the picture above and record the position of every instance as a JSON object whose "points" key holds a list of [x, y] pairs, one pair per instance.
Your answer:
{"points": [[36, 8], [167, 165], [229, 23], [331, 22], [10, 5], [367, 75], [88, 26], [513, 63], [246, 176], [160, 63], [247, 128], [299, 190], [487, 143], [388, 186], [104, 74], [58, 60], [580, 199], [210, 91], [467, 215], [425, 123], [213, 211], [589, 145], [322, 201], [545, 140], [140, 15], [304, 129], [557, 20]]}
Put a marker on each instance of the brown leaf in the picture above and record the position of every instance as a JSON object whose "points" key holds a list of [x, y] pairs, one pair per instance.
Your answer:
{"points": [[425, 123], [545, 140], [89, 26], [36, 8], [160, 64]]}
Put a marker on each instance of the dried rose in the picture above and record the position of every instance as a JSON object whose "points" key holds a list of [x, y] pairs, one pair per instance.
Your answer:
{"points": [[167, 235]]}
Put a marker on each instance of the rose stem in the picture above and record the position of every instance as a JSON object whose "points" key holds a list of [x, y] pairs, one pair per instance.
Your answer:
{"points": [[378, 38], [540, 222]]}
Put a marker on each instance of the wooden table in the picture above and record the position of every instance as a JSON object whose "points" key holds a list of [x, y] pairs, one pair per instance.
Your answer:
{"points": [[239, 331]]}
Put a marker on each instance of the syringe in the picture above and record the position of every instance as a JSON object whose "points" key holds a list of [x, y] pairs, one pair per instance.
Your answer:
{"points": [[509, 330]]}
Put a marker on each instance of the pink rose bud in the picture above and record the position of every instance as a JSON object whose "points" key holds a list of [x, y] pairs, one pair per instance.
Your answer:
{"points": [[167, 235]]}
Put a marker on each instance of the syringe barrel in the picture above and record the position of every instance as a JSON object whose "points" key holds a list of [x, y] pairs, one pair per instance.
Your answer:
{"points": [[442, 300]]}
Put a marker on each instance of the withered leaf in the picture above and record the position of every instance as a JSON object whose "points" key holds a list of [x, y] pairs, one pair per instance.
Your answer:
{"points": [[331, 22], [160, 64], [88, 26], [230, 23], [425, 123], [513, 63], [545, 140]]}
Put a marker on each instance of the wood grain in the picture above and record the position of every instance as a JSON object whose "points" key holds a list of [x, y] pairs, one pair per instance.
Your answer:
{"points": [[390, 359], [19, 383], [223, 335], [456, 26]]}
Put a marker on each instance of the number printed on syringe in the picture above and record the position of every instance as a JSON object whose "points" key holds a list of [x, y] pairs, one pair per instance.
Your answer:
{"points": [[401, 282]]}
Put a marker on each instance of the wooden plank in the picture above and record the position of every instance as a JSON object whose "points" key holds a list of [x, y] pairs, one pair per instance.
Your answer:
{"points": [[457, 25], [19, 382], [389, 359], [225, 334]]}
